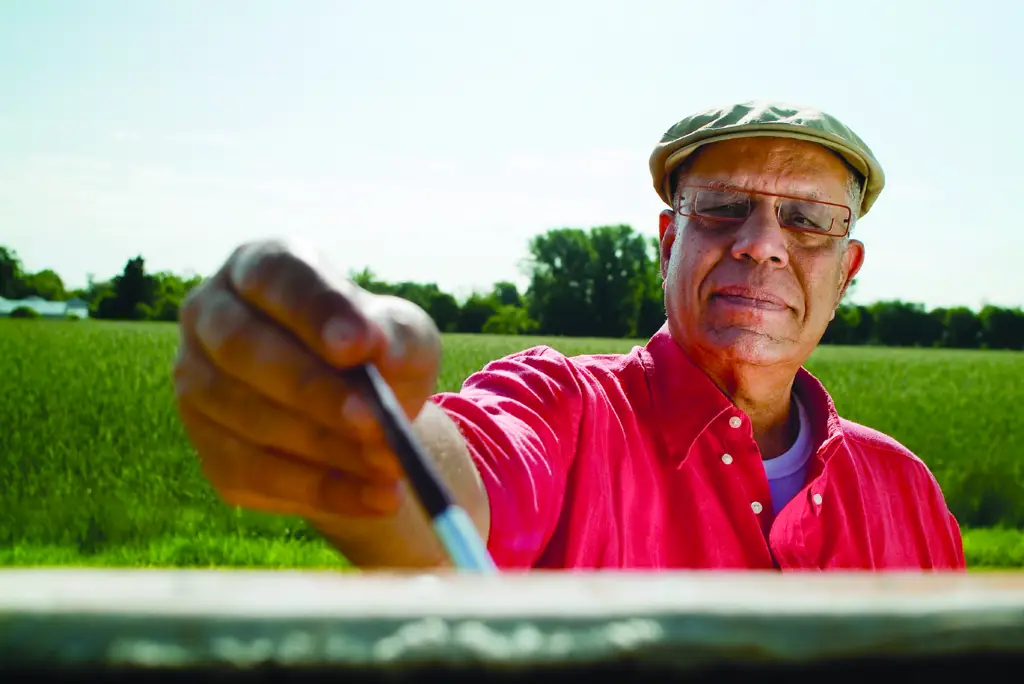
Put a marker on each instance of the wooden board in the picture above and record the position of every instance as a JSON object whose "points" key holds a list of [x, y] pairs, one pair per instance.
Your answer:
{"points": [[512, 624]]}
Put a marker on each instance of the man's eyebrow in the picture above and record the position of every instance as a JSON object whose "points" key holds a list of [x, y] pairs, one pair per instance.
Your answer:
{"points": [[719, 185], [810, 192]]}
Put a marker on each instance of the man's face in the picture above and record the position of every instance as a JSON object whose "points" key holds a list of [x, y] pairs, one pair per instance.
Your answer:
{"points": [[753, 292]]}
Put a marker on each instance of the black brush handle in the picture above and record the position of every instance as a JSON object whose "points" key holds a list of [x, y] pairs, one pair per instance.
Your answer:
{"points": [[418, 465]]}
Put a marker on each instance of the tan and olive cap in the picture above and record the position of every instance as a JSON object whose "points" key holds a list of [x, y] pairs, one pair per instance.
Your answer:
{"points": [[756, 118]]}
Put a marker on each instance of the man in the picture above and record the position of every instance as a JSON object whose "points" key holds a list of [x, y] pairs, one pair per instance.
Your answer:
{"points": [[710, 447]]}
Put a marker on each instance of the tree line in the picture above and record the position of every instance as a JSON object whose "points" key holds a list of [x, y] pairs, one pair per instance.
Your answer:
{"points": [[601, 282], [133, 295]]}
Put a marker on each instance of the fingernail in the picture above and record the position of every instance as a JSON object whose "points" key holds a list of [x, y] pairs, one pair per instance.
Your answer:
{"points": [[381, 499]]}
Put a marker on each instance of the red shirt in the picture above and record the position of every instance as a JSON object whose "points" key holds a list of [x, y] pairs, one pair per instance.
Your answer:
{"points": [[639, 461]]}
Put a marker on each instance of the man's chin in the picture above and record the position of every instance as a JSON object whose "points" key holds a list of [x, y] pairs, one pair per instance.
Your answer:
{"points": [[747, 346]]}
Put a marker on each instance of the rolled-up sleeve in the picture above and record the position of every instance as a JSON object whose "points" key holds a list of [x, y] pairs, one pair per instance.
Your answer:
{"points": [[520, 416]]}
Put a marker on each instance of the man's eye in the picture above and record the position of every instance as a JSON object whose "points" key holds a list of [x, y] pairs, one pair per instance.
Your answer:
{"points": [[805, 222], [726, 210]]}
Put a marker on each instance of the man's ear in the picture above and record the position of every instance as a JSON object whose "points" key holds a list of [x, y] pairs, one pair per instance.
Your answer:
{"points": [[853, 260], [666, 222], [666, 236]]}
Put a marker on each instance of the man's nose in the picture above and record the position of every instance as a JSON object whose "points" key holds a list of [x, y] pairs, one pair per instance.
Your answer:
{"points": [[761, 239]]}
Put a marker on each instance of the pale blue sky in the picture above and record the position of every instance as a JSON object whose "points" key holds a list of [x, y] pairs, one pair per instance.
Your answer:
{"points": [[430, 140]]}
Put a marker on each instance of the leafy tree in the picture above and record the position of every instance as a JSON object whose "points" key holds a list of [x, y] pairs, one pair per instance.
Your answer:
{"points": [[507, 294], [618, 273], [510, 320], [132, 295], [651, 316], [1002, 328], [45, 284], [602, 282], [961, 328], [904, 324], [561, 288], [476, 311], [11, 275]]}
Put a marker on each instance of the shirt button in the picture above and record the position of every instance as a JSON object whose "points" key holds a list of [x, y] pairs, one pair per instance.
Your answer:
{"points": [[816, 499], [756, 507], [735, 422], [726, 459]]}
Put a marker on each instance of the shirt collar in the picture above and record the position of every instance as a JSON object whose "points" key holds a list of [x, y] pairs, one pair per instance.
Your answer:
{"points": [[686, 401]]}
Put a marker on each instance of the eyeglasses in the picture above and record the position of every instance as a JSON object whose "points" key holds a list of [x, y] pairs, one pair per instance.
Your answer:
{"points": [[734, 205]]}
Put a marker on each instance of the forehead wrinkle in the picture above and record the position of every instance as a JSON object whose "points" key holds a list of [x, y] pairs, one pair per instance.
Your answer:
{"points": [[812, 192], [763, 164]]}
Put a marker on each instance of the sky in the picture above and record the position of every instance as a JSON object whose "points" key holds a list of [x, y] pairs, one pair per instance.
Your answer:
{"points": [[431, 140]]}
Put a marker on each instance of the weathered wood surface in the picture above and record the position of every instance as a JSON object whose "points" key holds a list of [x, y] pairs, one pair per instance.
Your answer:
{"points": [[676, 621]]}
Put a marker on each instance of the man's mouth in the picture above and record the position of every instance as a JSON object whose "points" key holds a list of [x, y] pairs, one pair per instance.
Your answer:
{"points": [[750, 297]]}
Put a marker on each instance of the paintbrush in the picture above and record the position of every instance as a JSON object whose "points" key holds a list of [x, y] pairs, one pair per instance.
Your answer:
{"points": [[451, 523]]}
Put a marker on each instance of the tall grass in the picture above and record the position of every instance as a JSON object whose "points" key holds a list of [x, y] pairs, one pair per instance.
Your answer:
{"points": [[98, 471]]}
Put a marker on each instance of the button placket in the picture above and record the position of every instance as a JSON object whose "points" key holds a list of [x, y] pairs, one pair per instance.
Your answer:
{"points": [[738, 441]]}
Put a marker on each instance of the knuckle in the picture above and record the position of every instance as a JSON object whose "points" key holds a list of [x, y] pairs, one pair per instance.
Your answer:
{"points": [[237, 254], [195, 380], [232, 466], [192, 302], [224, 326], [193, 430], [263, 267], [215, 450], [411, 331], [325, 302], [181, 372], [411, 319]]}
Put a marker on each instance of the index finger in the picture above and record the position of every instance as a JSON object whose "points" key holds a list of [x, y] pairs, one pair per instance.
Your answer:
{"points": [[288, 284]]}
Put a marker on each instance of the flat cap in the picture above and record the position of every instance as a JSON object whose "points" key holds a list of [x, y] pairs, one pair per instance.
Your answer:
{"points": [[758, 118]]}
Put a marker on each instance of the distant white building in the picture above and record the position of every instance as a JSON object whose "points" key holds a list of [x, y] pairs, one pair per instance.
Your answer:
{"points": [[47, 309]]}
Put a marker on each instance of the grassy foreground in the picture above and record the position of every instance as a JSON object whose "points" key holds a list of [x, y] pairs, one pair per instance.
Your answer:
{"points": [[98, 472]]}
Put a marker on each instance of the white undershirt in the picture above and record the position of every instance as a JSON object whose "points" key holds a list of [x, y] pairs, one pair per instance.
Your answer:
{"points": [[786, 472]]}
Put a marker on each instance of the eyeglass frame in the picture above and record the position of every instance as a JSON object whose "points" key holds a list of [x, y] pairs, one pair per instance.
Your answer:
{"points": [[730, 188]]}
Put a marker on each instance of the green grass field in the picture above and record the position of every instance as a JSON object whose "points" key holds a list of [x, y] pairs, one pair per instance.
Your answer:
{"points": [[97, 470]]}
